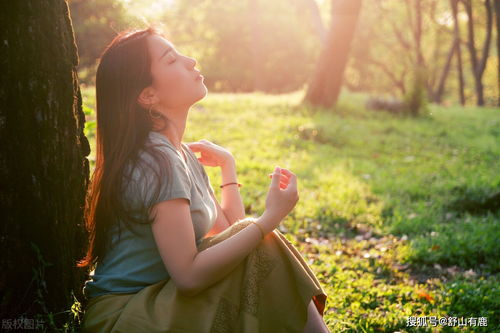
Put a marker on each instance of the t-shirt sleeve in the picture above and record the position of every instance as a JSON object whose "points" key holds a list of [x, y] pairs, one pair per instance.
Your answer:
{"points": [[148, 188]]}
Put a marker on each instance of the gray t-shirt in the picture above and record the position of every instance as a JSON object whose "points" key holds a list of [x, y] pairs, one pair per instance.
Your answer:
{"points": [[134, 261]]}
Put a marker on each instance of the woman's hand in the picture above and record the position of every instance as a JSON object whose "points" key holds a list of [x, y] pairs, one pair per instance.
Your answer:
{"points": [[211, 154], [284, 178], [279, 201]]}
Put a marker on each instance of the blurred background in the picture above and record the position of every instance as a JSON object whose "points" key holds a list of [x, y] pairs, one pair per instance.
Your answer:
{"points": [[273, 46]]}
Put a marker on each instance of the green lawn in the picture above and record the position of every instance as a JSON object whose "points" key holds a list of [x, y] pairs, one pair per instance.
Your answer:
{"points": [[387, 215]]}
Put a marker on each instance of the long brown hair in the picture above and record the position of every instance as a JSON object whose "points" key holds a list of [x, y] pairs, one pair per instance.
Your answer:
{"points": [[122, 130]]}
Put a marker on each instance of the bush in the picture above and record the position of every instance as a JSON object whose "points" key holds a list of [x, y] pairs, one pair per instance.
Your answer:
{"points": [[415, 98], [392, 105]]}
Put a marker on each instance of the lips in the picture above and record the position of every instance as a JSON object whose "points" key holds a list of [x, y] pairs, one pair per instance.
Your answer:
{"points": [[199, 77]]}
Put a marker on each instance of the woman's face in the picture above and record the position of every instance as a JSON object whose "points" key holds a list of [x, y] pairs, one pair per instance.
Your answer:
{"points": [[175, 80]]}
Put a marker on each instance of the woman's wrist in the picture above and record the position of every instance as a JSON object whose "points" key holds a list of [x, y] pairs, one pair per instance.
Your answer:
{"points": [[228, 163], [228, 172], [267, 222]]}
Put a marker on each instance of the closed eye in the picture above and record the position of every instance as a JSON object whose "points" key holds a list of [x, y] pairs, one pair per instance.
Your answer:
{"points": [[171, 58]]}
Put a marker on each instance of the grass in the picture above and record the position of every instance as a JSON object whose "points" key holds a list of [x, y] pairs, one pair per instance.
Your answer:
{"points": [[384, 213]]}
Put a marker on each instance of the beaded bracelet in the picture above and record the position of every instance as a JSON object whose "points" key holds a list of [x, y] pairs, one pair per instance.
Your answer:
{"points": [[260, 227], [239, 185]]}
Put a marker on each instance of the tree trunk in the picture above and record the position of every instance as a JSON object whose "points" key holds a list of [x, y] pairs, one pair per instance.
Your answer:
{"points": [[478, 65], [438, 95], [326, 82], [497, 18], [44, 169], [417, 33], [458, 49]]}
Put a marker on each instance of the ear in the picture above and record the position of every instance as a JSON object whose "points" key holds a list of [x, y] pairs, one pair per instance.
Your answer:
{"points": [[147, 97]]}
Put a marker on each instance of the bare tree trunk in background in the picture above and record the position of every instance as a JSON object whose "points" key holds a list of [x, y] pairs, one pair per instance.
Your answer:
{"points": [[417, 33], [456, 33], [415, 24], [497, 18], [420, 71], [438, 95], [326, 82], [478, 64], [44, 170]]}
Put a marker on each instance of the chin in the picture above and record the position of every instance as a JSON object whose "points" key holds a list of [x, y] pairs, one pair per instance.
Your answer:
{"points": [[203, 93]]}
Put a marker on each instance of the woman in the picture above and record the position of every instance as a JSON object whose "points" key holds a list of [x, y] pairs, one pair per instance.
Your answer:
{"points": [[166, 256]]}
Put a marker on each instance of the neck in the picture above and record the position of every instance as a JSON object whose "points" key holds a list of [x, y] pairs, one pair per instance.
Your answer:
{"points": [[176, 125]]}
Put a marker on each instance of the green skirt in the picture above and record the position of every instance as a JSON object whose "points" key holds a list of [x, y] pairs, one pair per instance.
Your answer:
{"points": [[268, 292]]}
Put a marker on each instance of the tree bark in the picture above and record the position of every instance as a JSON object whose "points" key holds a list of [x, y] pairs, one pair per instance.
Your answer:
{"points": [[44, 170], [458, 50], [478, 64], [326, 82], [497, 19], [417, 32], [438, 95]]}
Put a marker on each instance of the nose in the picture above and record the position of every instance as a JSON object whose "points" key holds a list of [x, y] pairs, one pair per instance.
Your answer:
{"points": [[192, 61]]}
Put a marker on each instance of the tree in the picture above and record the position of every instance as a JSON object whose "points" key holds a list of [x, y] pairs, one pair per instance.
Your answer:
{"points": [[326, 82], [458, 50], [497, 19], [478, 63], [44, 169], [394, 37]]}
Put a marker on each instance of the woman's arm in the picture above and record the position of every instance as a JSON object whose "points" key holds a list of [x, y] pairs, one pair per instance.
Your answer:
{"points": [[221, 222], [231, 202], [214, 155], [193, 271]]}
